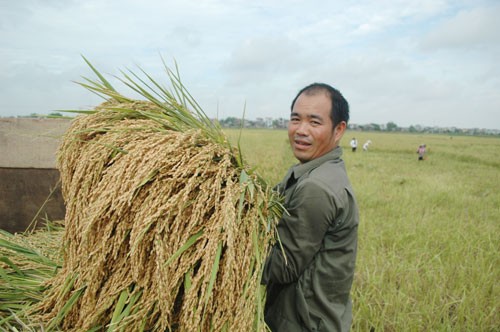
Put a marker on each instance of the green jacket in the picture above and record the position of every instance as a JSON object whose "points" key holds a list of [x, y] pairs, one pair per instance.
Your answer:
{"points": [[308, 287]]}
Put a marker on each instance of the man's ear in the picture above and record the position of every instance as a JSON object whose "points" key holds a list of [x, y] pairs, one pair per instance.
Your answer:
{"points": [[339, 130]]}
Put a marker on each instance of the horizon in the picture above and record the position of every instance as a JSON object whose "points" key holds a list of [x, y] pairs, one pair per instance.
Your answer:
{"points": [[351, 125]]}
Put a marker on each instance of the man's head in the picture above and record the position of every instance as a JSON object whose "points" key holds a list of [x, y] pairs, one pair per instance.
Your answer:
{"points": [[319, 116]]}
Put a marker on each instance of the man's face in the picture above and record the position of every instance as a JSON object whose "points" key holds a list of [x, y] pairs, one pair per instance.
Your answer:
{"points": [[310, 129]]}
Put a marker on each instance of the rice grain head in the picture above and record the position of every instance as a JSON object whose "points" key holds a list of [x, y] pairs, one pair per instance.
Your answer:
{"points": [[160, 223]]}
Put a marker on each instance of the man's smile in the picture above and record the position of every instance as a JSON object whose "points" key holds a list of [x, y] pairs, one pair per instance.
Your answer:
{"points": [[301, 143]]}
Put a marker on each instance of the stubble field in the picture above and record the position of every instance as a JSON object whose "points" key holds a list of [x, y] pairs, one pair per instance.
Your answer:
{"points": [[429, 232]]}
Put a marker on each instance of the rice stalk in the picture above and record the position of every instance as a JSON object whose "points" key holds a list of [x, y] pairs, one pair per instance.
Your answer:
{"points": [[164, 225], [27, 261]]}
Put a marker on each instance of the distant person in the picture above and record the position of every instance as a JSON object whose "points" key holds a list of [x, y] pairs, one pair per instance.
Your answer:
{"points": [[421, 151], [366, 145], [354, 144]]}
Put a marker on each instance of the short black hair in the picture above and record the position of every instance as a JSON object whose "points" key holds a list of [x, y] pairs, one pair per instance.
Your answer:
{"points": [[340, 107]]}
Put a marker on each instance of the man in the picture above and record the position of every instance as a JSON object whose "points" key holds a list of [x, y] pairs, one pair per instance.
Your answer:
{"points": [[309, 273]]}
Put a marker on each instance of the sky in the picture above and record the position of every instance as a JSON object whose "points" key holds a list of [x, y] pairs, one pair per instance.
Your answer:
{"points": [[428, 62]]}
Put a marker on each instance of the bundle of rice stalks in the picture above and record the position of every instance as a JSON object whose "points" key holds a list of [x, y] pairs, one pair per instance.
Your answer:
{"points": [[27, 261], [166, 228]]}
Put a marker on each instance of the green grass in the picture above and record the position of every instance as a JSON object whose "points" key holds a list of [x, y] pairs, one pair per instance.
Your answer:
{"points": [[429, 233]]}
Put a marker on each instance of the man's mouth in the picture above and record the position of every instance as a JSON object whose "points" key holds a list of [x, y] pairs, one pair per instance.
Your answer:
{"points": [[300, 143]]}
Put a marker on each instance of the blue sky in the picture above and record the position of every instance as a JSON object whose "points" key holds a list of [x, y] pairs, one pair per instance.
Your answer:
{"points": [[429, 62]]}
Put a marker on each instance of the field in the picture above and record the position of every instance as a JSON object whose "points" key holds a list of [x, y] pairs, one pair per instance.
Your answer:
{"points": [[429, 233], [428, 237]]}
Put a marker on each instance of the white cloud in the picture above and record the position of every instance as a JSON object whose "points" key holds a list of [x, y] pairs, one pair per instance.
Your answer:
{"points": [[469, 28], [259, 60]]}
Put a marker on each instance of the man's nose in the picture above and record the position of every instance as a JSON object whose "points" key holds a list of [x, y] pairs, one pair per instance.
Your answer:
{"points": [[302, 128]]}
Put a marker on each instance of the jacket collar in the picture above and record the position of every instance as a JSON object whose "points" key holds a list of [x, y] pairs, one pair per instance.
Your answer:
{"points": [[300, 169]]}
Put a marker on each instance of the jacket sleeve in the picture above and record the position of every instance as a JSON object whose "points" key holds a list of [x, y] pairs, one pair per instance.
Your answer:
{"points": [[311, 210]]}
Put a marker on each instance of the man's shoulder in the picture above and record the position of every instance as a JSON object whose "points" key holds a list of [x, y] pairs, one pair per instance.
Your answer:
{"points": [[330, 175], [328, 168]]}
